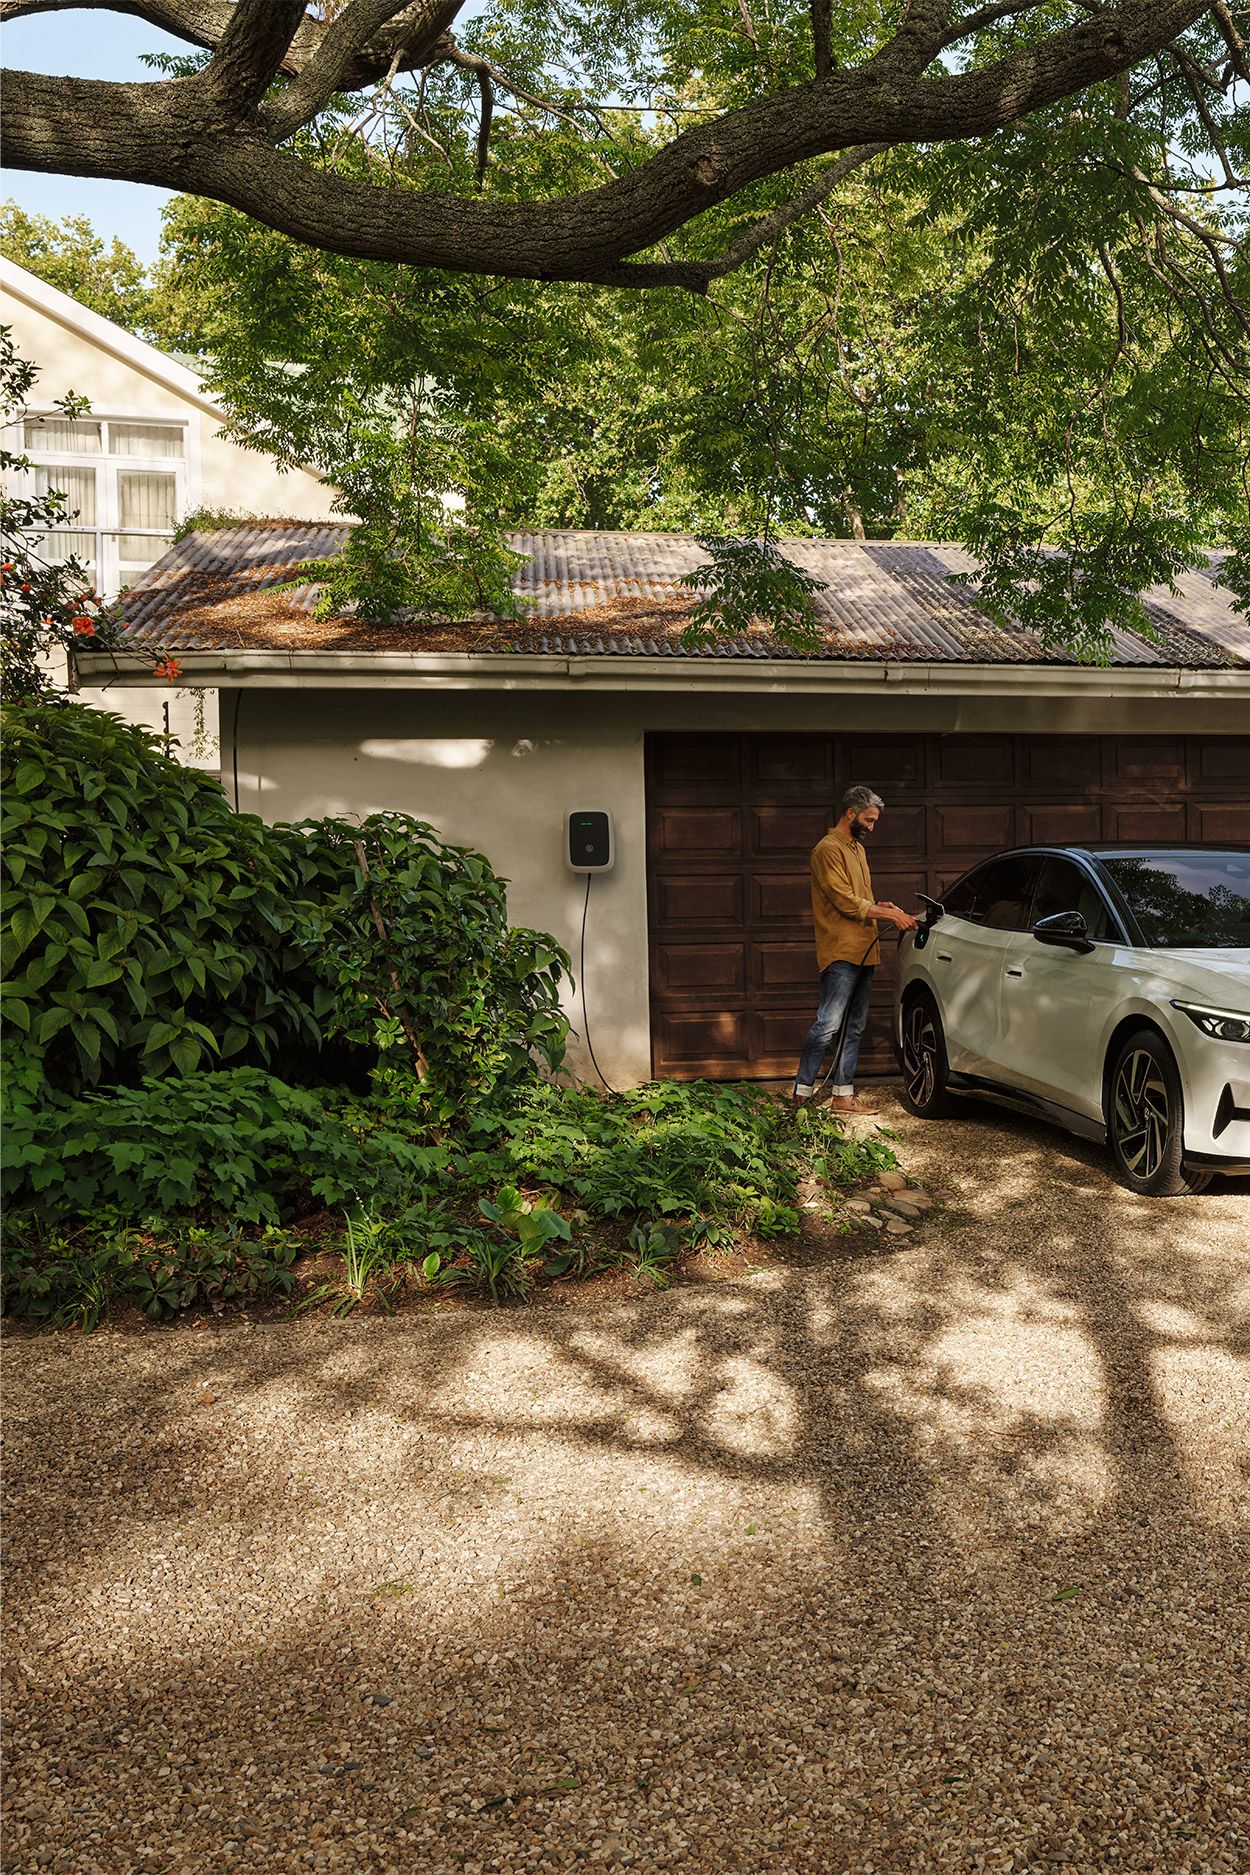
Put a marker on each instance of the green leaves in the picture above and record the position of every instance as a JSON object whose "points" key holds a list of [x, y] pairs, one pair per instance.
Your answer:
{"points": [[228, 1145], [748, 584], [418, 958]]}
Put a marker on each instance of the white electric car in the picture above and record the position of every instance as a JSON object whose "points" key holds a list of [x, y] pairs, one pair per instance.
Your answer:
{"points": [[1105, 988]]}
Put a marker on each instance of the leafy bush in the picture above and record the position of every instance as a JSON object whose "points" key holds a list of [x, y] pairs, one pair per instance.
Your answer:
{"points": [[146, 927], [408, 948], [236, 1145], [63, 1281]]}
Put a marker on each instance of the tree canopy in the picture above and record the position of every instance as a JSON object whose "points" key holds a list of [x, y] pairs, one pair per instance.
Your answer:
{"points": [[971, 273]]}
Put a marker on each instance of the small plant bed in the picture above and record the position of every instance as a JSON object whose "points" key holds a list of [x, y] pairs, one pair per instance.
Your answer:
{"points": [[286, 1201]]}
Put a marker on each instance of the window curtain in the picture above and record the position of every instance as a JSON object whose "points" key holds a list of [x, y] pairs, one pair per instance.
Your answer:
{"points": [[154, 440], [146, 501], [78, 485], [63, 436]]}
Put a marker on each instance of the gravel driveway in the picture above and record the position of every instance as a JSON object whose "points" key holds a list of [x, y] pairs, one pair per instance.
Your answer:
{"points": [[934, 1560]]}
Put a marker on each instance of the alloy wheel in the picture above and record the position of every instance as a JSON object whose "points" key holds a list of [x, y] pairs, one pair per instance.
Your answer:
{"points": [[1141, 1113], [920, 1055]]}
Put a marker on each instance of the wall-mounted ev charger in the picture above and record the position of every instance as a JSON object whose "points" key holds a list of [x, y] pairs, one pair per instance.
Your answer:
{"points": [[590, 847]]}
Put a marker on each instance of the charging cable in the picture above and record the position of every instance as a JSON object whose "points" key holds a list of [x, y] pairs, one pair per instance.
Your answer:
{"points": [[585, 1005]]}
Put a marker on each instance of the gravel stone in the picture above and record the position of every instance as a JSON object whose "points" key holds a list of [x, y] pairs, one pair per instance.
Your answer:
{"points": [[932, 1561]]}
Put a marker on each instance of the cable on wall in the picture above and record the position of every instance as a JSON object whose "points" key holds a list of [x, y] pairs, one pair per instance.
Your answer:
{"points": [[585, 1005]]}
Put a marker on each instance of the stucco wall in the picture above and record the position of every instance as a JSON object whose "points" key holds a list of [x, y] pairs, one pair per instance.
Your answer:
{"points": [[500, 778], [500, 771]]}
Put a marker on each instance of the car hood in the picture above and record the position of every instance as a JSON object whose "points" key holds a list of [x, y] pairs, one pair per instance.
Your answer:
{"points": [[1217, 976]]}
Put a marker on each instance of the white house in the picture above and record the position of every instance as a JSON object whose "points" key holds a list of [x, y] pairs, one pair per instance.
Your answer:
{"points": [[151, 450], [720, 768]]}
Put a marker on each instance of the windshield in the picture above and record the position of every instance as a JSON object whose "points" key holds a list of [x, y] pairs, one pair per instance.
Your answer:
{"points": [[1186, 901]]}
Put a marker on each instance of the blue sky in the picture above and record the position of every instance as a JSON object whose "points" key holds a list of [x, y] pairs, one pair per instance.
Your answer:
{"points": [[88, 45]]}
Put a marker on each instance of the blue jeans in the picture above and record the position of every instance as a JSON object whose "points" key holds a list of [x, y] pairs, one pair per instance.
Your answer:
{"points": [[840, 984]]}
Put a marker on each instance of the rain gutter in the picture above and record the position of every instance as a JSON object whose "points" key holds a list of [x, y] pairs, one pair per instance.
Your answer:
{"points": [[356, 670]]}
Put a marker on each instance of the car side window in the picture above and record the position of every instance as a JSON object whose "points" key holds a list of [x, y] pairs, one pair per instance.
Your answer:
{"points": [[1065, 887], [1007, 893], [997, 894], [960, 901]]}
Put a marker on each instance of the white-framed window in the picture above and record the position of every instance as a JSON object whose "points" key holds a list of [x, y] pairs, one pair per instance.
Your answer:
{"points": [[125, 483]]}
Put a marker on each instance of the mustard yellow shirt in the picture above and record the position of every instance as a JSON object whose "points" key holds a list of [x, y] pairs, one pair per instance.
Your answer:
{"points": [[841, 900]]}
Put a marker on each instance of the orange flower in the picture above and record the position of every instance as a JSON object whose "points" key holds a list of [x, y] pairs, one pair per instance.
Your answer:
{"points": [[83, 628], [168, 668]]}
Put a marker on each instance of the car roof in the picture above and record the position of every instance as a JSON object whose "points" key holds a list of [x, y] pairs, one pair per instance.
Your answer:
{"points": [[1122, 848]]}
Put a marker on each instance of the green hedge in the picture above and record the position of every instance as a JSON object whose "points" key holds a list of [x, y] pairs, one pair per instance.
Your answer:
{"points": [[148, 930]]}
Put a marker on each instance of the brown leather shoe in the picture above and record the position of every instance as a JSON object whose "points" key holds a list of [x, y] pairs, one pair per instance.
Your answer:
{"points": [[852, 1104]]}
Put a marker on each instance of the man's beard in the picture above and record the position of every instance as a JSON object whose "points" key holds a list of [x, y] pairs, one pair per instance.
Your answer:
{"points": [[859, 831]]}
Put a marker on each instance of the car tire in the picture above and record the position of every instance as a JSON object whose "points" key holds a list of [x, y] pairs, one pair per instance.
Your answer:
{"points": [[1146, 1119], [922, 1059]]}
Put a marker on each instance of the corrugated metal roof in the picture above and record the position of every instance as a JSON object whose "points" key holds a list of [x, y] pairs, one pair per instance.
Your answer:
{"points": [[583, 594]]}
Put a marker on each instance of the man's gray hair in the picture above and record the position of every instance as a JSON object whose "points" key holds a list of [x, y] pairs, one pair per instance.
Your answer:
{"points": [[855, 800]]}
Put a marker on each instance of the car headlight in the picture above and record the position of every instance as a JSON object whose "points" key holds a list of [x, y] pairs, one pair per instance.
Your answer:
{"points": [[1225, 1025]]}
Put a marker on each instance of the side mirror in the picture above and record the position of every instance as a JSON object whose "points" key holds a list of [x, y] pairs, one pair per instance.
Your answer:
{"points": [[1065, 928], [933, 909]]}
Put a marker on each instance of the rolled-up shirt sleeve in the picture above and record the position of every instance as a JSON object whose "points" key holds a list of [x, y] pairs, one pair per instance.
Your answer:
{"points": [[832, 877]]}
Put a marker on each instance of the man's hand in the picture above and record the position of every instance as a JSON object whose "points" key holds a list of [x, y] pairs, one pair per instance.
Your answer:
{"points": [[887, 912]]}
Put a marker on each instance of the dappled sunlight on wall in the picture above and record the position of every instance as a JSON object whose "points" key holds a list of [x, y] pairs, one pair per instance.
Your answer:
{"points": [[430, 752]]}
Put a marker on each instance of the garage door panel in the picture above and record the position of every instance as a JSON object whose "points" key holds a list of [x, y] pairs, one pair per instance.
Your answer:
{"points": [[781, 765], [695, 1043], [1060, 764], [1222, 760], [784, 967], [900, 830], [779, 898], [1227, 822], [707, 900], [707, 968], [777, 1037], [732, 820], [788, 830], [1152, 759], [695, 762], [979, 762], [1068, 823], [887, 765], [1145, 820], [700, 836], [971, 827]]}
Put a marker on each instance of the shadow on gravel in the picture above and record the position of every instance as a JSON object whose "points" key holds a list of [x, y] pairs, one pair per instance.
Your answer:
{"points": [[973, 1504]]}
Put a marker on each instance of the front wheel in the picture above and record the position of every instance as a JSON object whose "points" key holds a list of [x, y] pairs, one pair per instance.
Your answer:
{"points": [[1146, 1119], [923, 1060]]}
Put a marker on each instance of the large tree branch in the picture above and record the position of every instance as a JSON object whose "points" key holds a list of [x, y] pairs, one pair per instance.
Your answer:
{"points": [[409, 33], [252, 48], [203, 23], [166, 134]]}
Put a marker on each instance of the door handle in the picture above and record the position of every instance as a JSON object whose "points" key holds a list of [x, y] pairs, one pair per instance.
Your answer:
{"points": [[943, 957], [1015, 973]]}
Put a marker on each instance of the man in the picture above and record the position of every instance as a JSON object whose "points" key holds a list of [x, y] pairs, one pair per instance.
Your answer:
{"points": [[847, 949]]}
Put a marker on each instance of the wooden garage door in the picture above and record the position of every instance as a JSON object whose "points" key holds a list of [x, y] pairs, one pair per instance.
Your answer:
{"points": [[732, 820]]}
